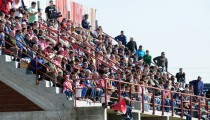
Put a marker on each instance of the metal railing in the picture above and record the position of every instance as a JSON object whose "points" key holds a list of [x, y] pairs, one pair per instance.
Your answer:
{"points": [[197, 105]]}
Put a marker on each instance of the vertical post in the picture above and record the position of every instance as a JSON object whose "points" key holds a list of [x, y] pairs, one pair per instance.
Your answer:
{"points": [[142, 98], [130, 95], [172, 103], [153, 101], [162, 102], [105, 91], [58, 36], [37, 77], [191, 105], [75, 97], [182, 110], [78, 52], [48, 31], [207, 107], [199, 108], [119, 90]]}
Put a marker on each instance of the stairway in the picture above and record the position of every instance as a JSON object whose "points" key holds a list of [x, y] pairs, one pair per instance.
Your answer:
{"points": [[17, 79]]}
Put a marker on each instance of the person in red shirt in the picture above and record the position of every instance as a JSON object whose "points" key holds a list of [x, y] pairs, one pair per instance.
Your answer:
{"points": [[4, 6], [67, 87]]}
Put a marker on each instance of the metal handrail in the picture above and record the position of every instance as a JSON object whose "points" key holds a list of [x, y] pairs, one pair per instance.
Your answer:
{"points": [[16, 56], [162, 97], [108, 60]]}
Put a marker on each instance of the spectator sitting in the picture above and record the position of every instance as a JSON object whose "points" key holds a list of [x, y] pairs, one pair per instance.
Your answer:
{"points": [[67, 87]]}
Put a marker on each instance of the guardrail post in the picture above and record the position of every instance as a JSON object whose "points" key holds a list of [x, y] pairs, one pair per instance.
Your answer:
{"points": [[199, 108], [153, 101], [37, 77], [105, 90], [172, 103], [58, 36], [119, 91], [182, 110], [75, 97], [162, 102], [130, 95], [142, 98], [207, 107], [191, 105]]}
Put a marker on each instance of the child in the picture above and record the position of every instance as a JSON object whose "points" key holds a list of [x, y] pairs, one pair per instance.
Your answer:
{"points": [[67, 87]]}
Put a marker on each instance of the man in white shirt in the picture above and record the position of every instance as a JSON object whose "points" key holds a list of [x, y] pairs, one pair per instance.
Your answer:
{"points": [[17, 5]]}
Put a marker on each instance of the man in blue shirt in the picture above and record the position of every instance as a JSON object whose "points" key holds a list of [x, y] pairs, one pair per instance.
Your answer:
{"points": [[140, 52], [197, 85], [121, 38], [19, 40]]}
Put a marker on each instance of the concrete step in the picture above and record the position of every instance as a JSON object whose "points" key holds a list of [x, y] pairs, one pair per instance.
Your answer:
{"points": [[45, 83], [12, 65], [6, 58], [56, 90]]}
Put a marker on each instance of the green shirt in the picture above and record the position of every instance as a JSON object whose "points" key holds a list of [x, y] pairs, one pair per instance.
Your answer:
{"points": [[147, 59], [32, 18]]}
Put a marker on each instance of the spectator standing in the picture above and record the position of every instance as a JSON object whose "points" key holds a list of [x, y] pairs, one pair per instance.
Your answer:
{"points": [[85, 23], [50, 11], [17, 6], [197, 85], [4, 6], [140, 52], [180, 76], [131, 45], [32, 14], [147, 58], [121, 38], [161, 61]]}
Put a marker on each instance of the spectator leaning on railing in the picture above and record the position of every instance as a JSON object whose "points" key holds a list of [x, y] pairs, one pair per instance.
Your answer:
{"points": [[197, 86]]}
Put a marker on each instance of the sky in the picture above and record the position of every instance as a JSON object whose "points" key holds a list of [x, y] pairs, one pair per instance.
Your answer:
{"points": [[180, 28]]}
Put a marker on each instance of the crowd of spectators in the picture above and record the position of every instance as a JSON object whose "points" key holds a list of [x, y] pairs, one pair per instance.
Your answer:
{"points": [[80, 74]]}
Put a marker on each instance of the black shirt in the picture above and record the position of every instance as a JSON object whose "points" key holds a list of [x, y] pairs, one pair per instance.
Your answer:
{"points": [[50, 12], [132, 46], [180, 77], [85, 24]]}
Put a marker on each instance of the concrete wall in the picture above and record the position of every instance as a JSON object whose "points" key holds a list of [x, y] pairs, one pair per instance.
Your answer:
{"points": [[11, 100], [71, 114]]}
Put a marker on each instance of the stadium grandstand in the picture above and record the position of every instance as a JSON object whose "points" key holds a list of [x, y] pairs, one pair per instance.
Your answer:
{"points": [[56, 63]]}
